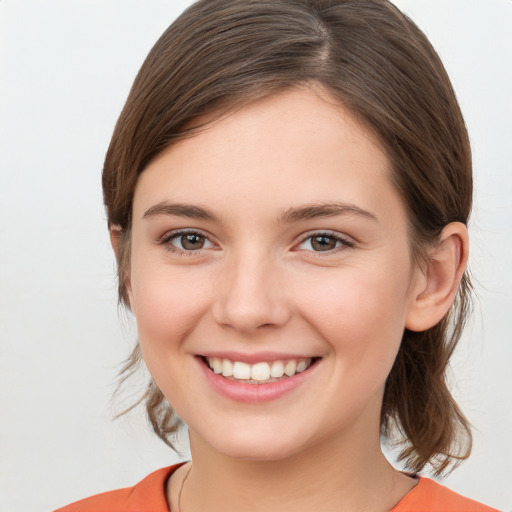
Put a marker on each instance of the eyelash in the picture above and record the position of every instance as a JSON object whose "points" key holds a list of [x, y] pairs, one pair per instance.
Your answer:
{"points": [[344, 242], [167, 240]]}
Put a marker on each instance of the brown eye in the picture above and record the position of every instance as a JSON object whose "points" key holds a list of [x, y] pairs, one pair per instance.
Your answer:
{"points": [[187, 241], [323, 243], [191, 241]]}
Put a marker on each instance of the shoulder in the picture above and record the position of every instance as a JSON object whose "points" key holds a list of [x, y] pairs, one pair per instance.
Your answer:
{"points": [[429, 496], [148, 494]]}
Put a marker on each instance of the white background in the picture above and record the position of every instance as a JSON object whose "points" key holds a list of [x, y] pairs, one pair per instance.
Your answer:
{"points": [[66, 68]]}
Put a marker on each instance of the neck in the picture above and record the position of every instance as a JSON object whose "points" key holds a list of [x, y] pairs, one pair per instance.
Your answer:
{"points": [[355, 474]]}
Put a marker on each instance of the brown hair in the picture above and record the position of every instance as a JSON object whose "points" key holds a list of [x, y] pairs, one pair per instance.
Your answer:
{"points": [[222, 54]]}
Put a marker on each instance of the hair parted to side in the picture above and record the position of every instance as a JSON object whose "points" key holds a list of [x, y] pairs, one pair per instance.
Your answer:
{"points": [[223, 54]]}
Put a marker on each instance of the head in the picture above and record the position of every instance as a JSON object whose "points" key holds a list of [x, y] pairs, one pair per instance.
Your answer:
{"points": [[221, 56]]}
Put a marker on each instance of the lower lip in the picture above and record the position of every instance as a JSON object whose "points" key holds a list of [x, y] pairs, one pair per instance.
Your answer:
{"points": [[254, 393]]}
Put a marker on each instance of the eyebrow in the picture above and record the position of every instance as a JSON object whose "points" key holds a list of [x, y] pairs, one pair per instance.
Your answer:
{"points": [[314, 211], [181, 210], [307, 212]]}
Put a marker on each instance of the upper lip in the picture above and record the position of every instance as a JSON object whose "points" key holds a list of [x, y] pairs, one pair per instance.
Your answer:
{"points": [[256, 357]]}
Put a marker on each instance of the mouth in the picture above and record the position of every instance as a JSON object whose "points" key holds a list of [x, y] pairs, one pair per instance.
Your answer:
{"points": [[261, 372]]}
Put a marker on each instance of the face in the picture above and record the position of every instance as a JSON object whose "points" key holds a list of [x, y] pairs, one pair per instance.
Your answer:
{"points": [[271, 277]]}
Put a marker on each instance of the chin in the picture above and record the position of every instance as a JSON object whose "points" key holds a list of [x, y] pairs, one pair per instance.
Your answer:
{"points": [[259, 452], [264, 445]]}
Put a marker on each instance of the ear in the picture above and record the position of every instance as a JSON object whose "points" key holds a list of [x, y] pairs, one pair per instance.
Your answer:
{"points": [[116, 233], [435, 290]]}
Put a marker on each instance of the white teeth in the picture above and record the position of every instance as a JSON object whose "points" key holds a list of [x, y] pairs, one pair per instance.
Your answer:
{"points": [[216, 364], [258, 372], [241, 370], [290, 368], [277, 370], [227, 368], [302, 365]]}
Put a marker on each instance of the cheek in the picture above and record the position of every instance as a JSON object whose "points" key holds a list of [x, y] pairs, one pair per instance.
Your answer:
{"points": [[166, 305], [360, 314]]}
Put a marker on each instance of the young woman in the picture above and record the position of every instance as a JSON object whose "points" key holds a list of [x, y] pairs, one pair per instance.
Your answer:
{"points": [[287, 190]]}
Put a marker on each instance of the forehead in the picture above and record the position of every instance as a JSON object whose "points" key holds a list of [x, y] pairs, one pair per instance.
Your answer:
{"points": [[297, 146]]}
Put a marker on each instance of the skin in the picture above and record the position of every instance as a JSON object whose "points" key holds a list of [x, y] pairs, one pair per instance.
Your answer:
{"points": [[259, 285]]}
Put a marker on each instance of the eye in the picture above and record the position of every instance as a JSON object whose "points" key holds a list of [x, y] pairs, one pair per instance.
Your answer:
{"points": [[186, 241], [323, 242]]}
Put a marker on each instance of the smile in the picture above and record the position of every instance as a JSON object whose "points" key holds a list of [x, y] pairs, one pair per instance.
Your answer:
{"points": [[258, 373]]}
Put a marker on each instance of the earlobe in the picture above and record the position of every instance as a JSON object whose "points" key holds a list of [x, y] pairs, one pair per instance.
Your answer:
{"points": [[438, 286]]}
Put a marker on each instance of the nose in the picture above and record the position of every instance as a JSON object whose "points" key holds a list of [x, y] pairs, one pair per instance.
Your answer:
{"points": [[251, 295]]}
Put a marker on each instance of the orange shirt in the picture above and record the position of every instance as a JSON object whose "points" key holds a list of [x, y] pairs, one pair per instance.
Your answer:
{"points": [[149, 496]]}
